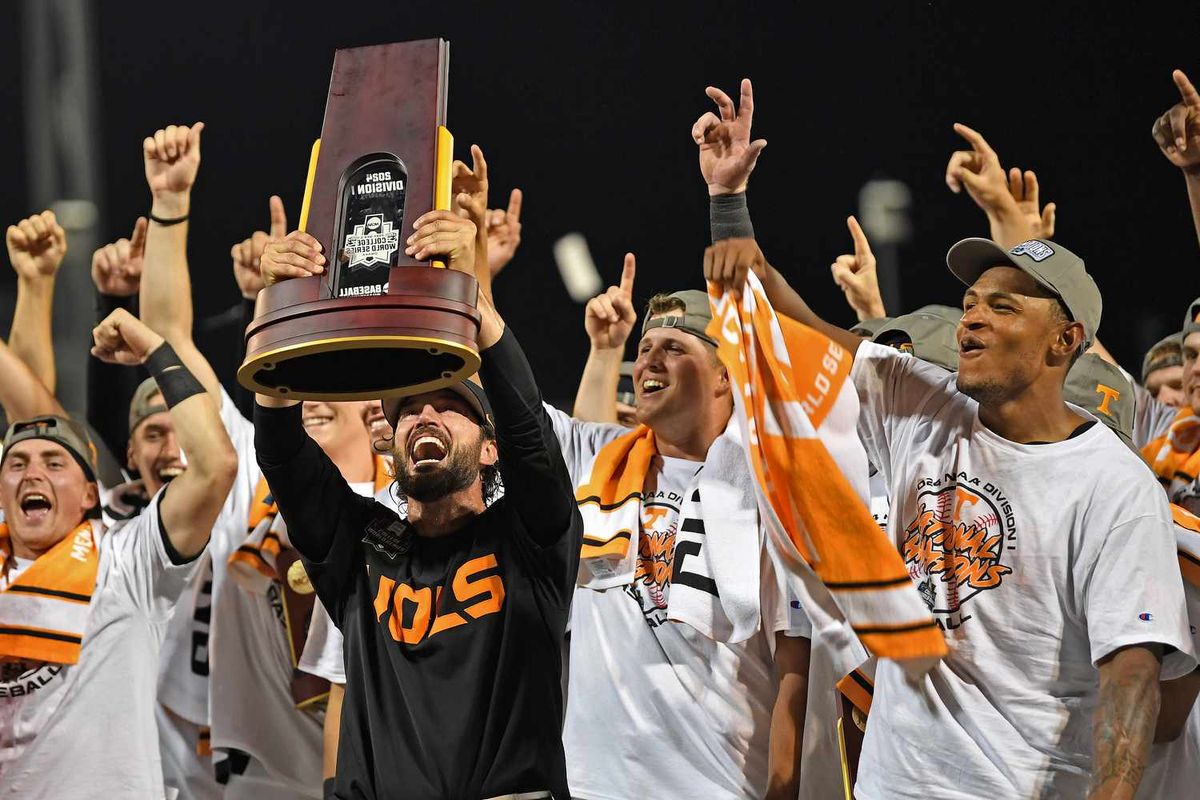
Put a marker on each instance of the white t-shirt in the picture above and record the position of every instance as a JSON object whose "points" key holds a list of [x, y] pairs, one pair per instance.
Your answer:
{"points": [[1173, 768], [88, 729], [322, 654], [1063, 553], [656, 709], [183, 675]]}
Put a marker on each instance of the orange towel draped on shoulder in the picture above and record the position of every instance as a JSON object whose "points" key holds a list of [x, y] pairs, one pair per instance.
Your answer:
{"points": [[786, 379], [44, 611]]}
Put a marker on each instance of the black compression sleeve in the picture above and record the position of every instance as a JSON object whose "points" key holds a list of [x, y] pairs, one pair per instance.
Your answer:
{"points": [[729, 217]]}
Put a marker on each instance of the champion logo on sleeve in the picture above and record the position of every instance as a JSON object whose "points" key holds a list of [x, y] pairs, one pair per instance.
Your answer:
{"points": [[1146, 616]]}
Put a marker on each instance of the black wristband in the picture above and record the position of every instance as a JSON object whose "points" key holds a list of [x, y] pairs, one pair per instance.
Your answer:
{"points": [[174, 380], [165, 222]]}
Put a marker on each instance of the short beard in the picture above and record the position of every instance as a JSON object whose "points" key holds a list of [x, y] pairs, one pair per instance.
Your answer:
{"points": [[985, 393], [460, 470]]}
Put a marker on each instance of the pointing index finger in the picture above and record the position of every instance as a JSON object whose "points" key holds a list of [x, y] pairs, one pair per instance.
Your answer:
{"points": [[978, 143], [137, 239], [1187, 91], [627, 273], [861, 246], [278, 217], [514, 205]]}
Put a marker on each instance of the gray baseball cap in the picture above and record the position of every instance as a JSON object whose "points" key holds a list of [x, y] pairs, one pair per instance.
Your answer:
{"points": [[1099, 387], [697, 313], [1190, 322], [867, 328], [142, 405], [931, 330], [1166, 352], [469, 390], [1053, 266], [61, 430]]}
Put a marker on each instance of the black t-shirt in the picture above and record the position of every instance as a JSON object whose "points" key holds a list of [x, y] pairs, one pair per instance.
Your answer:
{"points": [[452, 644]]}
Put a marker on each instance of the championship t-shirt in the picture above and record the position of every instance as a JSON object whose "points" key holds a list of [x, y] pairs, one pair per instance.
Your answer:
{"points": [[1037, 561], [88, 729], [656, 708]]}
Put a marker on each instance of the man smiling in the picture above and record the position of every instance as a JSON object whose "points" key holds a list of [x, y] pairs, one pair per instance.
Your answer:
{"points": [[454, 615], [83, 609], [1040, 543]]}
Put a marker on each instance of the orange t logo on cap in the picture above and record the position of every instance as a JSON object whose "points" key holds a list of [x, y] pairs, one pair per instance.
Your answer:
{"points": [[1110, 394]]}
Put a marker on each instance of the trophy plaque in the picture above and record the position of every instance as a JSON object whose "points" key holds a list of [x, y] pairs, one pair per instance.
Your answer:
{"points": [[376, 323]]}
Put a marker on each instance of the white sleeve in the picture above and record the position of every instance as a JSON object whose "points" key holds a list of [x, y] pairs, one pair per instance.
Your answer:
{"points": [[782, 609], [580, 441], [1132, 592], [322, 654], [892, 388], [229, 530], [151, 578]]}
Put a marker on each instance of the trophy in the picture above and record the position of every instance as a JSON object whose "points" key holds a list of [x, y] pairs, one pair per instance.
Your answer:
{"points": [[376, 323]]}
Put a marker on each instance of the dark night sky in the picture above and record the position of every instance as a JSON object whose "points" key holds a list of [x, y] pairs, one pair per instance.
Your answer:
{"points": [[588, 107]]}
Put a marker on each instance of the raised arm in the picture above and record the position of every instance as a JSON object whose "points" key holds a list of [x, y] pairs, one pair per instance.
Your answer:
{"points": [[36, 248], [504, 233], [172, 159], [1010, 200], [192, 501], [727, 158], [22, 395], [470, 188], [1177, 134], [608, 319], [1123, 726]]}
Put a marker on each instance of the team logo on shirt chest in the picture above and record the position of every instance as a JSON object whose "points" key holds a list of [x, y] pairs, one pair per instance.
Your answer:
{"points": [[415, 613], [958, 543]]}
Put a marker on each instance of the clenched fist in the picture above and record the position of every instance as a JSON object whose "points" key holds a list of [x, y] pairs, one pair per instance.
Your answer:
{"points": [[727, 262], [36, 246], [122, 338], [172, 158]]}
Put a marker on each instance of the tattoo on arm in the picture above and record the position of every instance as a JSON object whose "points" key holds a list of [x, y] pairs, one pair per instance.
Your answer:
{"points": [[1123, 727]]}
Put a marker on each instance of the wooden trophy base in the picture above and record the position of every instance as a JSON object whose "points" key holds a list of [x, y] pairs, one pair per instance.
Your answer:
{"points": [[417, 338]]}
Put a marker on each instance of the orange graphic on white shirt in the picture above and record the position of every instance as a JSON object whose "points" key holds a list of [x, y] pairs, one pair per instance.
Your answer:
{"points": [[656, 552], [953, 549]]}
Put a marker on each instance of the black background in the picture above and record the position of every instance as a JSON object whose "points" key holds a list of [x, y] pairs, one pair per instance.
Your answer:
{"points": [[588, 107]]}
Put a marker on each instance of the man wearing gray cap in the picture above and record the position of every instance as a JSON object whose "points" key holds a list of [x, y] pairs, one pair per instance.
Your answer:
{"points": [[83, 608], [1040, 543], [635, 651]]}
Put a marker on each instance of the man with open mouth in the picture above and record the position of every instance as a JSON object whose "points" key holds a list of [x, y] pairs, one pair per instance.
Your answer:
{"points": [[1028, 530], [83, 609], [453, 616]]}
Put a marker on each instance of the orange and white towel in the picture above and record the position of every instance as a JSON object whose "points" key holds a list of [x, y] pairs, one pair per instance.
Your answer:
{"points": [[254, 564], [44, 611], [786, 378], [1175, 456]]}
